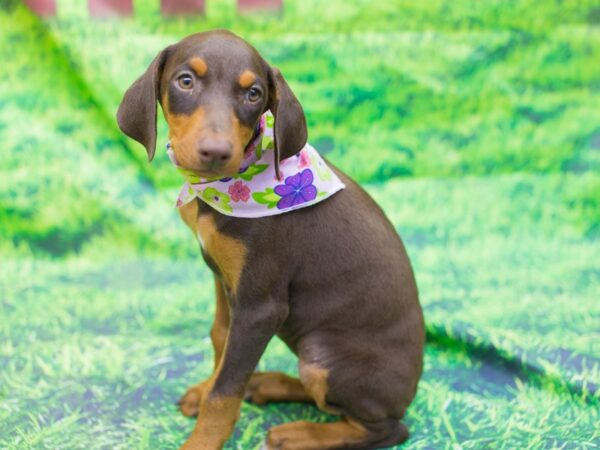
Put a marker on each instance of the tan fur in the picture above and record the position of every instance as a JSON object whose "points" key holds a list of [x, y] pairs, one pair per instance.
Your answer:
{"points": [[189, 403], [220, 328], [267, 387], [314, 379], [216, 415], [315, 436], [229, 254], [247, 78], [216, 419], [186, 131], [184, 134], [189, 214], [241, 138], [199, 66]]}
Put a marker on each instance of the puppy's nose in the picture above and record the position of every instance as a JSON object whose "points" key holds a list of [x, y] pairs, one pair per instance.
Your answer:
{"points": [[215, 152]]}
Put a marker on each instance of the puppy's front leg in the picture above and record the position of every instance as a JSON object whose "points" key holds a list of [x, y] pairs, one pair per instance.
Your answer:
{"points": [[253, 324]]}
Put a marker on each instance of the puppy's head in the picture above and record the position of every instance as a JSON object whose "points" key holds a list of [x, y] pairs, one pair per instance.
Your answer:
{"points": [[213, 87]]}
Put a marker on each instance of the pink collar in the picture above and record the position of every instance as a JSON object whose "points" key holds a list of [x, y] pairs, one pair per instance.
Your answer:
{"points": [[255, 191]]}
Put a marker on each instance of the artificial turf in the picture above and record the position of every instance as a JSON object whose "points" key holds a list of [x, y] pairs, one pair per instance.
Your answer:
{"points": [[476, 129]]}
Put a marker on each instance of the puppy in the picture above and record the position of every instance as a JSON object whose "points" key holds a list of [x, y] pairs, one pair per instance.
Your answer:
{"points": [[297, 248]]}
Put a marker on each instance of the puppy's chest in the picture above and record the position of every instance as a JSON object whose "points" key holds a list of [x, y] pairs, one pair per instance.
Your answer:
{"points": [[225, 254]]}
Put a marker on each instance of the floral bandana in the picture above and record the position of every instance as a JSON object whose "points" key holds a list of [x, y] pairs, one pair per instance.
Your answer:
{"points": [[255, 191]]}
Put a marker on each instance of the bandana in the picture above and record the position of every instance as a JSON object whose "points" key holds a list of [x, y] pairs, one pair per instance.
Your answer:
{"points": [[255, 190]]}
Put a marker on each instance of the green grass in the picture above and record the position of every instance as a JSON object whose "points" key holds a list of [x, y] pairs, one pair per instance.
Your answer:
{"points": [[455, 89], [98, 350], [475, 126]]}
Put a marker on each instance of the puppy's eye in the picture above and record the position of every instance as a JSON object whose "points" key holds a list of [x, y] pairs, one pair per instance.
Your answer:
{"points": [[185, 82], [254, 94]]}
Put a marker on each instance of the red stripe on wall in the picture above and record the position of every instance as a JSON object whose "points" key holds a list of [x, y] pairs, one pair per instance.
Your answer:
{"points": [[110, 8], [259, 5], [44, 8], [180, 7]]}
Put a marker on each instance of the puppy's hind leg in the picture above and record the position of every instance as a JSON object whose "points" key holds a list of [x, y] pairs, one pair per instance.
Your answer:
{"points": [[347, 434], [374, 429]]}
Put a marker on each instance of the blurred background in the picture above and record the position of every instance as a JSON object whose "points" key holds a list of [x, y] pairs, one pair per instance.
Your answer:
{"points": [[475, 125]]}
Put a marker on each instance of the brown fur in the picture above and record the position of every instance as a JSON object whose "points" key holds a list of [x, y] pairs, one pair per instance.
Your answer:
{"points": [[333, 280]]}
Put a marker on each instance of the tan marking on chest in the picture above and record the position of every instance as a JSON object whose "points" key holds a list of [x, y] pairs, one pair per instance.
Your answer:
{"points": [[189, 214], [229, 254]]}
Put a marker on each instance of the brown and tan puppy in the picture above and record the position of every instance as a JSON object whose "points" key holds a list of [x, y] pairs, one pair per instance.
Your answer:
{"points": [[332, 280]]}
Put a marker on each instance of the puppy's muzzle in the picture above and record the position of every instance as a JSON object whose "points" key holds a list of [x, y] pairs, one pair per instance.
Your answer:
{"points": [[214, 153]]}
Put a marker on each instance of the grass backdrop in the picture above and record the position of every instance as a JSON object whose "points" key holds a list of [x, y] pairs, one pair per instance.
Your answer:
{"points": [[475, 125]]}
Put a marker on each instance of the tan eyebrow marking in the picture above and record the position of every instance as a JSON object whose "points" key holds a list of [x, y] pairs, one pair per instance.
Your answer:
{"points": [[199, 66], [247, 78]]}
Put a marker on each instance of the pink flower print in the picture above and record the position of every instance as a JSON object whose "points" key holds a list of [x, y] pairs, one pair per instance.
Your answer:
{"points": [[303, 160], [239, 191]]}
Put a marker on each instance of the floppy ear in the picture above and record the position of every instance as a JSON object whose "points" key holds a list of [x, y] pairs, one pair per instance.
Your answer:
{"points": [[290, 133], [137, 112]]}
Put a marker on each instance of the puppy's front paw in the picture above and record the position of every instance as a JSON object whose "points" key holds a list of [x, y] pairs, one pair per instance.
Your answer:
{"points": [[189, 403]]}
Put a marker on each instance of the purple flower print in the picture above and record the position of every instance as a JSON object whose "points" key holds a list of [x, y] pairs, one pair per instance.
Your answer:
{"points": [[297, 189]]}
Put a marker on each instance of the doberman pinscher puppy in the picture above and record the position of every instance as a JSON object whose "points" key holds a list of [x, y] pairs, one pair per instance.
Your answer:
{"points": [[332, 280]]}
